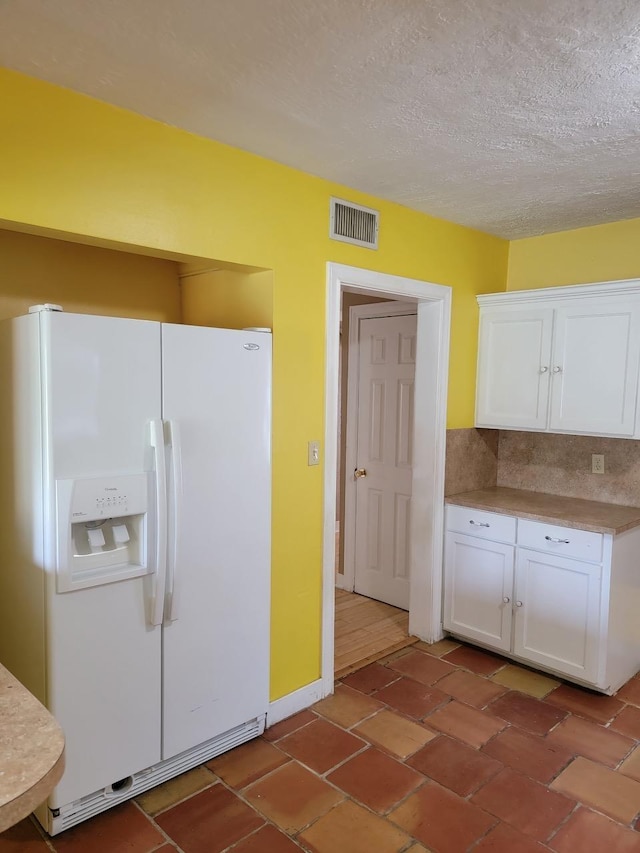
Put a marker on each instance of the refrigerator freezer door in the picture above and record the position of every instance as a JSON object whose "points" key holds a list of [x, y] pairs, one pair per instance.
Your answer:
{"points": [[102, 389], [104, 686], [216, 649]]}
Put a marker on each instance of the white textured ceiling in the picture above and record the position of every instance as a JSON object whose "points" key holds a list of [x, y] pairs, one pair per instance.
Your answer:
{"points": [[517, 117]]}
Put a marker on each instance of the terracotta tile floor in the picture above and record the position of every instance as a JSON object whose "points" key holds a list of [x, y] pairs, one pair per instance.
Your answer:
{"points": [[434, 749]]}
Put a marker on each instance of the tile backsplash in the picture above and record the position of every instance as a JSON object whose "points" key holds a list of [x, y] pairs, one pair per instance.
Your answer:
{"points": [[561, 465], [472, 460], [543, 462]]}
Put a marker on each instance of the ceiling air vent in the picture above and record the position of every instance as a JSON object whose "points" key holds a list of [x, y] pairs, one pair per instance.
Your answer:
{"points": [[353, 223]]}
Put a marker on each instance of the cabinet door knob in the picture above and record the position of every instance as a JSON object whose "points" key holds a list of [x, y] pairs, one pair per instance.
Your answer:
{"points": [[506, 599], [544, 368], [518, 604], [557, 369]]}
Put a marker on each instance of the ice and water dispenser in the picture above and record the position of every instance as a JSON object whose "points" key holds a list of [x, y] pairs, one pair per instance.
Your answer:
{"points": [[102, 530]]}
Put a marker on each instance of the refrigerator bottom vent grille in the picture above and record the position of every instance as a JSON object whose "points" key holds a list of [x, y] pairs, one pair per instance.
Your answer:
{"points": [[86, 807]]}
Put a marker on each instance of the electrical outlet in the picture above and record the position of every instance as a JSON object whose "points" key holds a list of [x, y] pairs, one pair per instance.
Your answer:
{"points": [[597, 463], [313, 453]]}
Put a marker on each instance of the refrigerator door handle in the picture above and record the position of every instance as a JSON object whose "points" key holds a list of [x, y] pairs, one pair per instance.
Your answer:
{"points": [[160, 576], [173, 597]]}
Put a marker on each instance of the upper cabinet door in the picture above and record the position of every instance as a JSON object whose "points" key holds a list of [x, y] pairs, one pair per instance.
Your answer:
{"points": [[514, 364], [595, 368]]}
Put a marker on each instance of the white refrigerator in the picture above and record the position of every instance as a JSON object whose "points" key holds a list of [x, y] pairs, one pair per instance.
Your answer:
{"points": [[135, 499]]}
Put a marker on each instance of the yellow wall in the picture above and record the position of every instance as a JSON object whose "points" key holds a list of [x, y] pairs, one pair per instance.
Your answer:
{"points": [[600, 253], [85, 279], [76, 166], [228, 299]]}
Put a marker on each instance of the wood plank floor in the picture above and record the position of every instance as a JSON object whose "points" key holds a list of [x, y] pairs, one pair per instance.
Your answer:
{"points": [[366, 630]]}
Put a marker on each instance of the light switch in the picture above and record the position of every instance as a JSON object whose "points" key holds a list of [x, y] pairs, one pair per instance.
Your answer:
{"points": [[313, 450]]}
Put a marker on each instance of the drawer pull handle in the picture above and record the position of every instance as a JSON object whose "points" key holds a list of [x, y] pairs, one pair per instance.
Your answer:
{"points": [[560, 541], [479, 523]]}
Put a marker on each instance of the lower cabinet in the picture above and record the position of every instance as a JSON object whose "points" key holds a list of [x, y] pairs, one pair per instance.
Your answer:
{"points": [[477, 591], [559, 599], [557, 613]]}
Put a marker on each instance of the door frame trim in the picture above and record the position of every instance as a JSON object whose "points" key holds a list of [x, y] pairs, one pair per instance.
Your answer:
{"points": [[432, 363], [356, 314]]}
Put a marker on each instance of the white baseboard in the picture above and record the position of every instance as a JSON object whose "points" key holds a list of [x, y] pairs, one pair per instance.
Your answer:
{"points": [[290, 704], [342, 583]]}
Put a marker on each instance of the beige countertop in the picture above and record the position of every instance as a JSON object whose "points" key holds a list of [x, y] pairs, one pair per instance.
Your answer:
{"points": [[569, 512], [31, 751]]}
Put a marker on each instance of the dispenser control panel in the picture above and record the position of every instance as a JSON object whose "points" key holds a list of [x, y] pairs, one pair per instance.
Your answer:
{"points": [[101, 530], [115, 502], [105, 497]]}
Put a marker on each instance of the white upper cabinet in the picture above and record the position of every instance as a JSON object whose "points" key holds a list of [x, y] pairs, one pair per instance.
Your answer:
{"points": [[513, 368], [594, 371], [562, 359]]}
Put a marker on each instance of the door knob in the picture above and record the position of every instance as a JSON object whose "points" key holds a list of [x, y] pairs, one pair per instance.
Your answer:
{"points": [[360, 472]]}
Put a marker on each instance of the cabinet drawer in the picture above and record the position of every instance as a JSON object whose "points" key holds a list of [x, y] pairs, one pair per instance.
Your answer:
{"points": [[476, 522], [564, 541]]}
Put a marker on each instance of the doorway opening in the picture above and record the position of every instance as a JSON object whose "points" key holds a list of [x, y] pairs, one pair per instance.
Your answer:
{"points": [[366, 630], [432, 304], [375, 440]]}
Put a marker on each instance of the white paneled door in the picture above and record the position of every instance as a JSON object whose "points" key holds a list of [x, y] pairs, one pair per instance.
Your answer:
{"points": [[384, 457]]}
